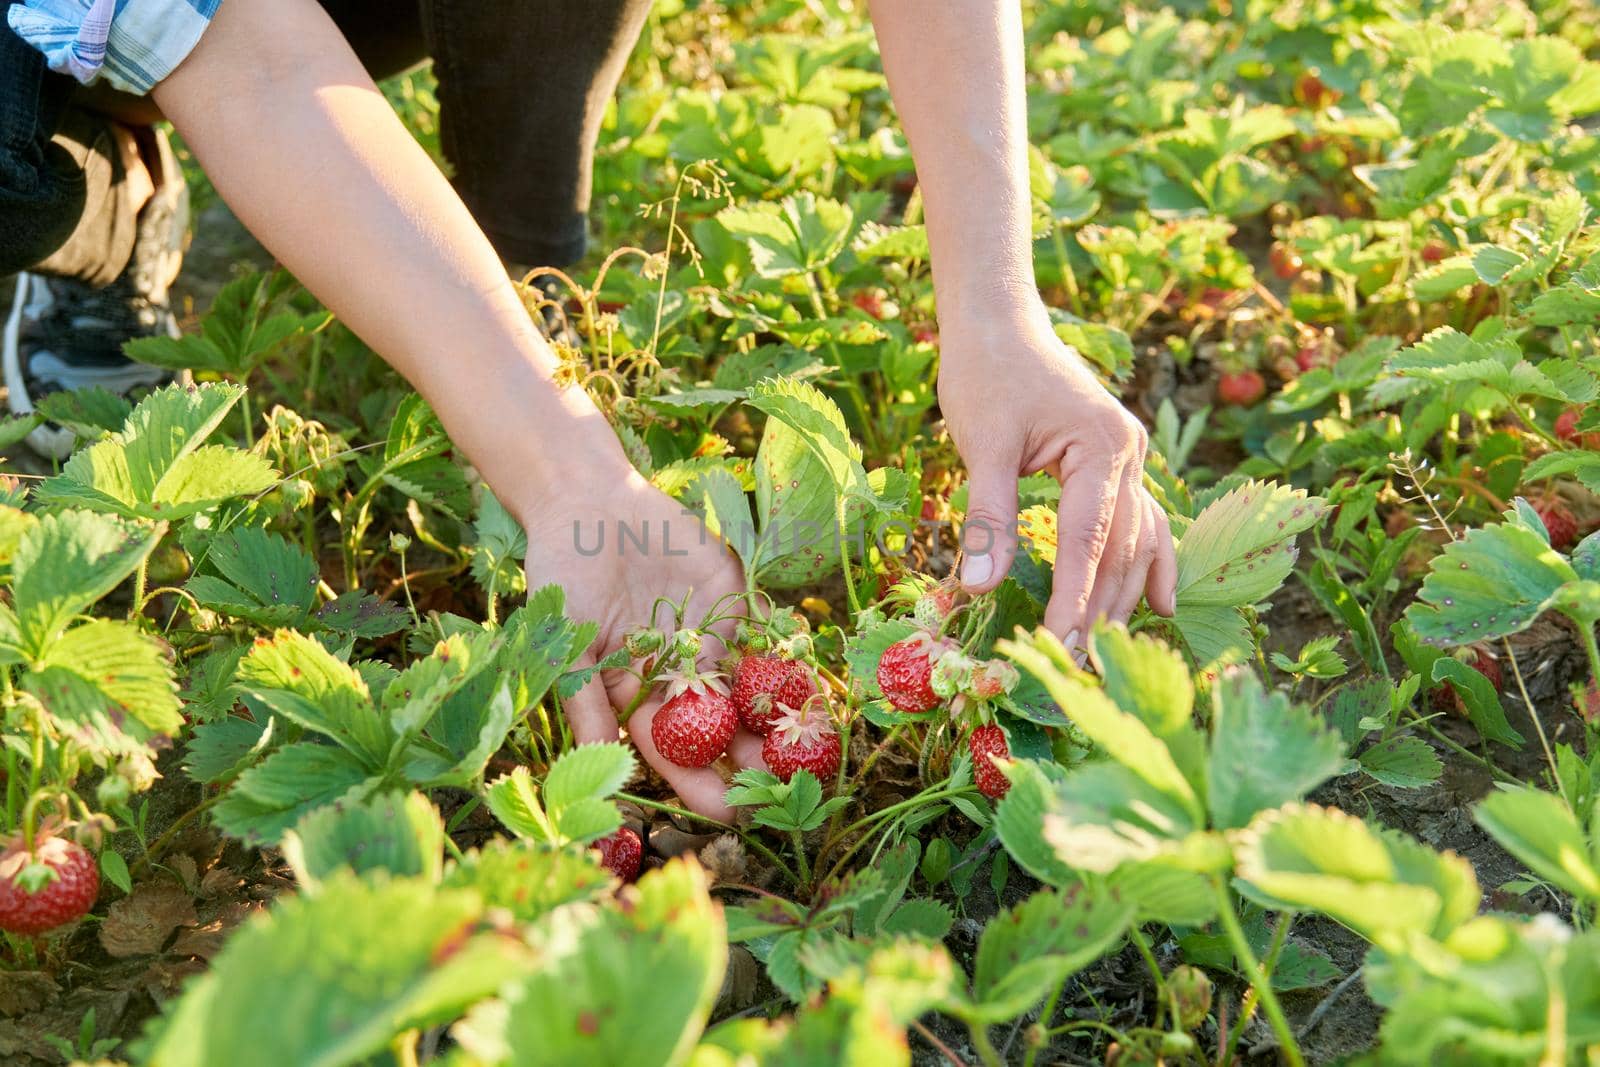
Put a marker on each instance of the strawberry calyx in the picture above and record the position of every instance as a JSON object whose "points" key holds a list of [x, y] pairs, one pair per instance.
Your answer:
{"points": [[805, 725]]}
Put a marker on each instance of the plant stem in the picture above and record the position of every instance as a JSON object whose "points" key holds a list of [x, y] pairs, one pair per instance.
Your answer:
{"points": [[1586, 632], [1538, 723], [141, 577], [1259, 978], [984, 1047], [797, 839], [1138, 938]]}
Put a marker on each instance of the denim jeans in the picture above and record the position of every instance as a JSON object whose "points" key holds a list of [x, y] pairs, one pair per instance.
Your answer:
{"points": [[523, 87]]}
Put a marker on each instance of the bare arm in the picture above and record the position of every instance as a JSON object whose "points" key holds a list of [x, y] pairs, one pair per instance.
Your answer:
{"points": [[310, 156], [1015, 398], [308, 153]]}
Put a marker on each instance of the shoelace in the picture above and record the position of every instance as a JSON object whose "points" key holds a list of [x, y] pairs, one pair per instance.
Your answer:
{"points": [[85, 319]]}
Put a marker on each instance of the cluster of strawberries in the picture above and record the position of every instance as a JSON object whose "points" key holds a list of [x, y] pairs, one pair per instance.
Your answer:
{"points": [[926, 670], [773, 694]]}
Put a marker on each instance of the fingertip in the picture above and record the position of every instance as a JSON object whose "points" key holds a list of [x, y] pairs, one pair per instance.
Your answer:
{"points": [[983, 571]]}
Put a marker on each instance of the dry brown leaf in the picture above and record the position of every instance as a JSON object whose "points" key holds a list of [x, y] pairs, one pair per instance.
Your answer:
{"points": [[141, 923], [185, 868], [25, 991], [203, 941], [165, 978], [219, 881]]}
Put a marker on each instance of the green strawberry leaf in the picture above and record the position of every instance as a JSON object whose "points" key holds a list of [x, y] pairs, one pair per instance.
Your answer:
{"points": [[1380, 884], [529, 882], [1479, 698], [1265, 751], [400, 833], [360, 614], [271, 797], [1241, 547], [1493, 582], [1027, 953], [807, 470], [801, 234], [265, 579], [298, 678], [67, 561], [157, 466], [1124, 737], [1540, 831], [620, 985], [345, 970], [126, 671], [1402, 763]]}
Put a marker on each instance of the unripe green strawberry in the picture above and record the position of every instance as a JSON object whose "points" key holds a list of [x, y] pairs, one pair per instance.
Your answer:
{"points": [[1192, 990], [72, 881], [643, 642]]}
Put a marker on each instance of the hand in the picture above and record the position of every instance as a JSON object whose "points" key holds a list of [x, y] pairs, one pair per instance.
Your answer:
{"points": [[1017, 400], [575, 539]]}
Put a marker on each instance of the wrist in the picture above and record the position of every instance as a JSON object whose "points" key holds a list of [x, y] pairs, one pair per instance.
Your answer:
{"points": [[994, 317]]}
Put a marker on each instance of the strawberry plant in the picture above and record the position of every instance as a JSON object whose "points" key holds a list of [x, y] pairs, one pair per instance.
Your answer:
{"points": [[289, 715]]}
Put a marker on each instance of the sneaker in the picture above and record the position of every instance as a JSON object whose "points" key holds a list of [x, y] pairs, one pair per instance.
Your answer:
{"points": [[63, 334]]}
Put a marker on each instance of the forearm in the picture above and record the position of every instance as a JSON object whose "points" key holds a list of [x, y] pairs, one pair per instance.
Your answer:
{"points": [[955, 70], [310, 156]]}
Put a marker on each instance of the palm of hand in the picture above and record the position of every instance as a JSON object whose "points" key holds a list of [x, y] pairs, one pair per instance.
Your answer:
{"points": [[623, 555]]}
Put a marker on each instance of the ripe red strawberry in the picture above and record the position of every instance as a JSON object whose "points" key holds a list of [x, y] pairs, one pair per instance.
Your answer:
{"points": [[1241, 388], [1567, 430], [1308, 358], [1589, 708], [869, 300], [1433, 252], [1445, 697], [694, 726], [986, 742], [1488, 666], [763, 684], [67, 896], [905, 672], [925, 335], [621, 853], [1560, 523], [803, 739], [1313, 92], [1286, 262]]}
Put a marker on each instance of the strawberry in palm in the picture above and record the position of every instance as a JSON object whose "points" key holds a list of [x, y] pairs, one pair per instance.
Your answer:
{"points": [[764, 685], [33, 900], [803, 739], [697, 721]]}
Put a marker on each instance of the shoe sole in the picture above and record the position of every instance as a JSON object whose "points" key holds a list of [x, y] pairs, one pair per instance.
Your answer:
{"points": [[51, 442]]}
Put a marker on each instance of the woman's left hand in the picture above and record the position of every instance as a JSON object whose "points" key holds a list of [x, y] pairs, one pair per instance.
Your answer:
{"points": [[1018, 400]]}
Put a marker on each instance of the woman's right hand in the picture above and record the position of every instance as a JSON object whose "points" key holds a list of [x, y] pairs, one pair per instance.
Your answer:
{"points": [[617, 545]]}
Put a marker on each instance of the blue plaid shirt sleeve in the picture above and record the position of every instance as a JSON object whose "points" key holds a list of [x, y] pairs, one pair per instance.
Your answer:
{"points": [[132, 44]]}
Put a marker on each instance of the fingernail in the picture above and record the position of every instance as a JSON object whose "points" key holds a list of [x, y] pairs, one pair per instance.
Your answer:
{"points": [[977, 570], [1071, 641]]}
